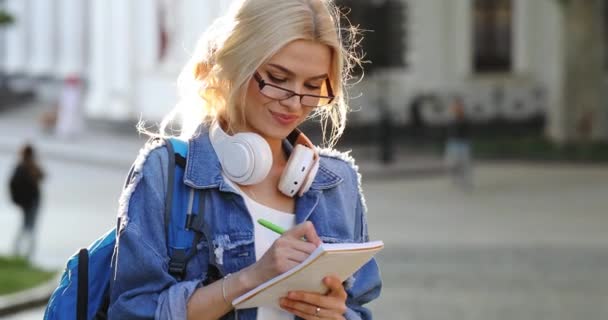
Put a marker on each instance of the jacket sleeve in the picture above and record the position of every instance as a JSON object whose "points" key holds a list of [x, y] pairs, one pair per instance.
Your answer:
{"points": [[365, 285], [141, 286]]}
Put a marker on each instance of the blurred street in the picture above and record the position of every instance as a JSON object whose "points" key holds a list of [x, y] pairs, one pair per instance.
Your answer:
{"points": [[528, 243]]}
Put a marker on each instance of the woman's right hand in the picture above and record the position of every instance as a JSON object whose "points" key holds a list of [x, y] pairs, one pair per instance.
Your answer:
{"points": [[285, 253]]}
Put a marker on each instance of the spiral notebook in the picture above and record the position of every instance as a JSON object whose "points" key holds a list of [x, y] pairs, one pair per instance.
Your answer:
{"points": [[341, 259]]}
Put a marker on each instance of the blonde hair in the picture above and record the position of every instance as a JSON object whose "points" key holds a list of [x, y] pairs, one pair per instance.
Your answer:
{"points": [[214, 80]]}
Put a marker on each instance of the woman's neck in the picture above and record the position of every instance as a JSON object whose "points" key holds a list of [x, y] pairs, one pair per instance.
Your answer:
{"points": [[278, 155]]}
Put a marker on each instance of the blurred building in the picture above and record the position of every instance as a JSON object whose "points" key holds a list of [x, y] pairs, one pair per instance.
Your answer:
{"points": [[504, 57], [128, 52]]}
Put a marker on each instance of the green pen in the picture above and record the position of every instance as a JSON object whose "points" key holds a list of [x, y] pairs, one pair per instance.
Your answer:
{"points": [[271, 226]]}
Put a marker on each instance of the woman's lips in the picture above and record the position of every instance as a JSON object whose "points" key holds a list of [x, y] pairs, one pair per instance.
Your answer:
{"points": [[284, 119]]}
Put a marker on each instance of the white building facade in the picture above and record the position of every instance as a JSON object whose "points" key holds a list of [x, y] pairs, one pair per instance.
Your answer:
{"points": [[130, 53]]}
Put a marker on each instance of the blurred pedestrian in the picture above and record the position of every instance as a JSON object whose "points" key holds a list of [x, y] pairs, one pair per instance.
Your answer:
{"points": [[69, 118], [457, 154], [25, 193], [385, 138], [48, 119]]}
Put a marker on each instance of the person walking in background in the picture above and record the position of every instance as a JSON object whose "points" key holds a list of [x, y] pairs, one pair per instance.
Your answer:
{"points": [[458, 158], [69, 120], [256, 75], [25, 193]]}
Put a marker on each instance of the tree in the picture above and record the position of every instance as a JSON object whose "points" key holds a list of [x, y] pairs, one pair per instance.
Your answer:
{"points": [[5, 18], [584, 106]]}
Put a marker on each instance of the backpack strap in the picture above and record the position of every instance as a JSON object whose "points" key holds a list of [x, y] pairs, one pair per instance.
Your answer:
{"points": [[181, 204], [82, 297]]}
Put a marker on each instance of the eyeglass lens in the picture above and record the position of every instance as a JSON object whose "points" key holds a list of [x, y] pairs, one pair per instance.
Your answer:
{"points": [[281, 94]]}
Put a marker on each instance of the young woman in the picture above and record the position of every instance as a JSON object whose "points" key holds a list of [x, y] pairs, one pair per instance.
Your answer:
{"points": [[257, 74]]}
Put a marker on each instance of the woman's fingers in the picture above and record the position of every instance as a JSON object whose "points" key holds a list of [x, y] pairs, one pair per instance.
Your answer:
{"points": [[304, 230], [331, 306], [336, 289], [293, 253], [310, 305], [287, 251], [295, 244]]}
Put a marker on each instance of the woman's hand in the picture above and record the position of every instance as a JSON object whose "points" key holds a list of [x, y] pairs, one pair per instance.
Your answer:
{"points": [[285, 253], [312, 305]]}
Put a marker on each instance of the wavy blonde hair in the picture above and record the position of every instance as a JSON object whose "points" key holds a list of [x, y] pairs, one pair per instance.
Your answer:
{"points": [[214, 81]]}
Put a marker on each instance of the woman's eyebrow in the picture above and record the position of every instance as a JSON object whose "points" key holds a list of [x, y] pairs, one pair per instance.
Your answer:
{"points": [[291, 73]]}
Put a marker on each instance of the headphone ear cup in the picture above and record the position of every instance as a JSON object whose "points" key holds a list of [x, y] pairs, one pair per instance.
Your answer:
{"points": [[294, 176], [245, 158], [310, 177], [258, 158]]}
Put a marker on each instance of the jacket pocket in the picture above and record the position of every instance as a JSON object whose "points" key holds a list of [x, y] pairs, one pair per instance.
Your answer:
{"points": [[233, 251]]}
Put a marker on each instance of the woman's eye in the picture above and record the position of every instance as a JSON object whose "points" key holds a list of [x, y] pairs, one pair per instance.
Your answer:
{"points": [[275, 79], [311, 87]]}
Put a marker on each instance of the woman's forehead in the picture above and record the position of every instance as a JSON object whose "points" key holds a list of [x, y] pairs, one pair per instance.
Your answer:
{"points": [[302, 58]]}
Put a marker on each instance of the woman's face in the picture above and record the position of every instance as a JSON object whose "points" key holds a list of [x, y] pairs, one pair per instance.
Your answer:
{"points": [[301, 66]]}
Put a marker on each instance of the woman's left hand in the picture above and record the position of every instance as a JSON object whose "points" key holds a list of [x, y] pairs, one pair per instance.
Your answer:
{"points": [[312, 305]]}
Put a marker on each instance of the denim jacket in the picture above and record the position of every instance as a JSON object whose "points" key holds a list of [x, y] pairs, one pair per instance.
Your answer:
{"points": [[142, 287]]}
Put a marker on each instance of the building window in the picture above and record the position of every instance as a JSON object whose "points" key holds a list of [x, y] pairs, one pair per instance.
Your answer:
{"points": [[384, 30], [493, 35]]}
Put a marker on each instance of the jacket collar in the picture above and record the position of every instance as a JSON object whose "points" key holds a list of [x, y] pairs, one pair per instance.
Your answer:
{"points": [[204, 171]]}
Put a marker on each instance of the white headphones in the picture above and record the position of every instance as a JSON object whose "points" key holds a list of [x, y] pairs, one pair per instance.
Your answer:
{"points": [[246, 159]]}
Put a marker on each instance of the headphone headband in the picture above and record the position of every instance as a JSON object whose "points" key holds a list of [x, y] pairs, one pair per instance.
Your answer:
{"points": [[298, 137]]}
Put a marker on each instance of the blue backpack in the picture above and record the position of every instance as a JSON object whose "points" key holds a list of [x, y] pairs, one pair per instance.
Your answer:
{"points": [[83, 292]]}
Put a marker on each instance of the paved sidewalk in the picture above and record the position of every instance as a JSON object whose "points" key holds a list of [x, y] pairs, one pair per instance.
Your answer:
{"points": [[99, 144]]}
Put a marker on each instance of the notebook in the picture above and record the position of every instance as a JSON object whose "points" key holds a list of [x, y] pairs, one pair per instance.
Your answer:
{"points": [[341, 259]]}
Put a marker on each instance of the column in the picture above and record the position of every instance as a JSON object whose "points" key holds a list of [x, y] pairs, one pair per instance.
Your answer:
{"points": [[146, 35], [174, 20], [42, 50], [427, 33], [71, 42], [16, 37], [523, 13], [461, 33], [550, 66], [99, 58], [194, 17], [122, 60]]}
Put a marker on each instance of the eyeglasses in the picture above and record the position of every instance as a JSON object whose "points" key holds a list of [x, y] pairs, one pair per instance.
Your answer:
{"points": [[274, 92]]}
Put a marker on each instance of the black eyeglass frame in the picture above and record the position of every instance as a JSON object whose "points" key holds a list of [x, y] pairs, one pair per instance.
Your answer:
{"points": [[262, 83]]}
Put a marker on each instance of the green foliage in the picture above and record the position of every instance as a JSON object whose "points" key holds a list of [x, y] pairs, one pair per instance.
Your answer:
{"points": [[5, 18], [17, 274]]}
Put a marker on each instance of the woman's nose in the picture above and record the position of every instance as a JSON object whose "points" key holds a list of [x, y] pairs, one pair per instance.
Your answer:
{"points": [[292, 102]]}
